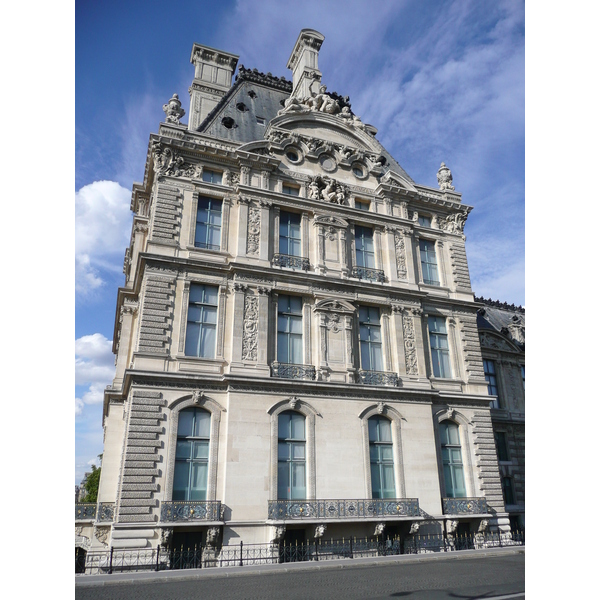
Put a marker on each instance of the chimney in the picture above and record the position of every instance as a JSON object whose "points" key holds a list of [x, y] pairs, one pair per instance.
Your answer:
{"points": [[304, 62], [212, 80]]}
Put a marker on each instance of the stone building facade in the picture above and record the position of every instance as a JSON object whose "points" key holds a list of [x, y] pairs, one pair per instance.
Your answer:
{"points": [[297, 346], [502, 335]]}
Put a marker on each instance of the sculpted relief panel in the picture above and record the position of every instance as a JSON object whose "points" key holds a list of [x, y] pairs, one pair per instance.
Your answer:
{"points": [[250, 333]]}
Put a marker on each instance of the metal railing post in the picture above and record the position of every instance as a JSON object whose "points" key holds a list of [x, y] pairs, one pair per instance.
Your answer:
{"points": [[157, 556], [241, 553], [111, 560], [351, 552]]}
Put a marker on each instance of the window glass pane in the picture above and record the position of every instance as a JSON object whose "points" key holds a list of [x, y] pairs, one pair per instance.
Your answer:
{"points": [[385, 431], [376, 358], [213, 239], [295, 356], [283, 480], [375, 334], [293, 247], [388, 480], [374, 452], [200, 450], [295, 304], [191, 339], [296, 325], [211, 294], [283, 452], [459, 483], [453, 434], [298, 451], [180, 480], [298, 481], [386, 453], [282, 348], [198, 481], [365, 357], [207, 342], [375, 481], [209, 314], [202, 424], [284, 425], [185, 423], [372, 430], [297, 426], [201, 235], [184, 449]]}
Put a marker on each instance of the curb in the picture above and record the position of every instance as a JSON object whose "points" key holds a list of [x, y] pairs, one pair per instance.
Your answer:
{"points": [[222, 572]]}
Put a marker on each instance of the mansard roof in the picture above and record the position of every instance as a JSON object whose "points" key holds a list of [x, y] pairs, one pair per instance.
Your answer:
{"points": [[502, 318], [255, 95]]}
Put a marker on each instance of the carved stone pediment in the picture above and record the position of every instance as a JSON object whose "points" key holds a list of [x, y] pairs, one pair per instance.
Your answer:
{"points": [[334, 305], [330, 221], [393, 178]]}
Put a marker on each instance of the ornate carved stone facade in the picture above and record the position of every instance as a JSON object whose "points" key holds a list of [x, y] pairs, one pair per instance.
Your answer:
{"points": [[277, 267]]}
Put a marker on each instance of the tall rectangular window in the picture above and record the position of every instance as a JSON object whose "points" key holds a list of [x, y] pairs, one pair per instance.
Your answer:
{"points": [[291, 190], [381, 450], [507, 490], [212, 176], [208, 224], [429, 262], [438, 339], [501, 445], [289, 330], [291, 456], [365, 249], [289, 234], [191, 457], [371, 356], [202, 321], [489, 371], [452, 460], [424, 221]]}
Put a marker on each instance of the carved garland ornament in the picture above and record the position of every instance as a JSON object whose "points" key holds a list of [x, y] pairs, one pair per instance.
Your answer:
{"points": [[410, 345], [400, 255], [250, 332], [253, 241]]}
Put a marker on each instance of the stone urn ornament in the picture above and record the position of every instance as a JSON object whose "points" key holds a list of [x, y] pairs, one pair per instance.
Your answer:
{"points": [[173, 110], [444, 177]]}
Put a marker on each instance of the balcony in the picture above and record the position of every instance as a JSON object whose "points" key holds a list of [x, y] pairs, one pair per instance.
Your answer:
{"points": [[370, 274], [106, 512], [290, 371], [378, 378], [292, 262], [190, 511], [281, 510], [85, 512], [464, 506]]}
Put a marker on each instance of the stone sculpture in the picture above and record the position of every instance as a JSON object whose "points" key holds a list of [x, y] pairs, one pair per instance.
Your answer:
{"points": [[173, 110], [444, 177]]}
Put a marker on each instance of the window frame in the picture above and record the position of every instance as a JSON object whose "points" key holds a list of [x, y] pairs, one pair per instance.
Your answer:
{"points": [[209, 226], [381, 462], [510, 487], [285, 187], [291, 443], [290, 335], [298, 217], [191, 460], [201, 324], [372, 345], [421, 218], [439, 351], [501, 441], [427, 265], [210, 178], [492, 386], [451, 463], [362, 252]]}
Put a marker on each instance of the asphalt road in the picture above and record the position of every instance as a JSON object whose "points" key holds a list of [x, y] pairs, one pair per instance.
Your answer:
{"points": [[501, 576]]}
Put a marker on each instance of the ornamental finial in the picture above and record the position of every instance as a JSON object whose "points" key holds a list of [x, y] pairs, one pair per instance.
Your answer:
{"points": [[173, 110]]}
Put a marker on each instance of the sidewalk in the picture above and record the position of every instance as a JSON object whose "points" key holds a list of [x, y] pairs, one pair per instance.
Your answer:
{"points": [[344, 563]]}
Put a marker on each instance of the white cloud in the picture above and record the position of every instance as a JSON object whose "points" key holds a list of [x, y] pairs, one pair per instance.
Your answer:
{"points": [[102, 229], [94, 367]]}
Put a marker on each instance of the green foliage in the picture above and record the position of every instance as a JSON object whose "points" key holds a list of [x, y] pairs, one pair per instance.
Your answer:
{"points": [[90, 485]]}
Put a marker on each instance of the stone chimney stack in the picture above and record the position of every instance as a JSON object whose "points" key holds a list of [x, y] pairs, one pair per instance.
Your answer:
{"points": [[212, 80], [304, 62]]}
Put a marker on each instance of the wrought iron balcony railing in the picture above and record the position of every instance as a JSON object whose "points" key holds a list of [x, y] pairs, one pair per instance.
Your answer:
{"points": [[280, 510], [85, 512], [106, 512], [370, 274], [199, 510], [293, 262], [378, 378], [289, 371], [464, 506]]}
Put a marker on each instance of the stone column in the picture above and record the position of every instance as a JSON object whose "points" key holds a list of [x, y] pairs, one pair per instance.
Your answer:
{"points": [[264, 179], [349, 340], [185, 303], [276, 217], [222, 320], [398, 339], [390, 252], [263, 325], [457, 371], [225, 224], [193, 218], [306, 316], [245, 175], [320, 248], [422, 337], [304, 233], [239, 290], [272, 349], [388, 365], [344, 268], [417, 261], [439, 253], [242, 225], [265, 229], [378, 253], [126, 318]]}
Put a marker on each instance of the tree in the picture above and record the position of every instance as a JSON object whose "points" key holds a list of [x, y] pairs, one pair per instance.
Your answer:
{"points": [[90, 485]]}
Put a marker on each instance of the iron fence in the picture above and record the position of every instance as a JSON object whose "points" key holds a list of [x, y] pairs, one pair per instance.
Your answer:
{"points": [[160, 559]]}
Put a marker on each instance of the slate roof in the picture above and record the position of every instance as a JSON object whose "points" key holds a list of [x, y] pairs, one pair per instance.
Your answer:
{"points": [[497, 315]]}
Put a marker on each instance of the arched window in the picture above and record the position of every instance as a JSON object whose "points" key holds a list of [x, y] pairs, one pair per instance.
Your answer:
{"points": [[452, 460], [191, 456], [381, 450], [291, 456]]}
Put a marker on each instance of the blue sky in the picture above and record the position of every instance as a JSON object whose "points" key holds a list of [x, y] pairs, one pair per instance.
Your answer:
{"points": [[441, 80]]}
